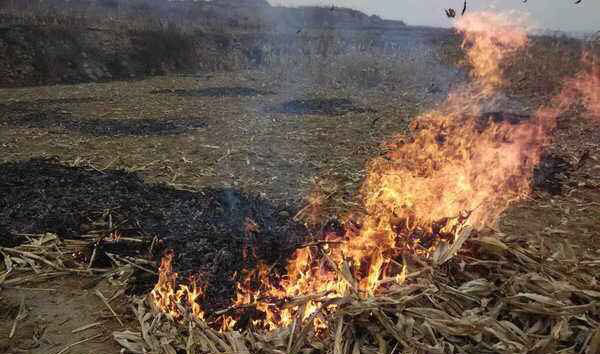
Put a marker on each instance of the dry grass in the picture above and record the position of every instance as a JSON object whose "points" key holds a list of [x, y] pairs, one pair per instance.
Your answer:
{"points": [[544, 65]]}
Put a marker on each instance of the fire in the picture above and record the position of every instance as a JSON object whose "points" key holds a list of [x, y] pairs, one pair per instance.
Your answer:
{"points": [[585, 86], [171, 297], [459, 166], [115, 236], [489, 38], [589, 85]]}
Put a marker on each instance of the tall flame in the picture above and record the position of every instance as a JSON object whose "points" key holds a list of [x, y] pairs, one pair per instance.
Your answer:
{"points": [[459, 166], [489, 38]]}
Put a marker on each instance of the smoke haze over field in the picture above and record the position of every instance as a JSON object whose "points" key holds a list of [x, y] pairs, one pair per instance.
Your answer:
{"points": [[548, 14]]}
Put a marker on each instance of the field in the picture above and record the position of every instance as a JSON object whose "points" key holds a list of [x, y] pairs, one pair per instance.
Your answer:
{"points": [[186, 157]]}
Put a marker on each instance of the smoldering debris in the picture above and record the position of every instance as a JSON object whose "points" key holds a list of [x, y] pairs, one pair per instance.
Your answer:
{"points": [[206, 229]]}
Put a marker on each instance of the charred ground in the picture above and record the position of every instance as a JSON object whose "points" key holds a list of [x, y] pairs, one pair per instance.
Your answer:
{"points": [[207, 229]]}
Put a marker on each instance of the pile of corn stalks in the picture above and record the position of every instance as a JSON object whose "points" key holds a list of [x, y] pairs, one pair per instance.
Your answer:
{"points": [[497, 295], [47, 256]]}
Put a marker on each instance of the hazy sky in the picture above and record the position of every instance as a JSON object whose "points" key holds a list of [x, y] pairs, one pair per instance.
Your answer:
{"points": [[547, 14]]}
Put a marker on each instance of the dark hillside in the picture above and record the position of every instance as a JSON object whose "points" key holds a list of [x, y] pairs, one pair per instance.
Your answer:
{"points": [[234, 15], [59, 41]]}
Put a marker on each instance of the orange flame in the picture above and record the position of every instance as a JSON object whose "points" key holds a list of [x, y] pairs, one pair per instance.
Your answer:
{"points": [[489, 38], [459, 166], [171, 297]]}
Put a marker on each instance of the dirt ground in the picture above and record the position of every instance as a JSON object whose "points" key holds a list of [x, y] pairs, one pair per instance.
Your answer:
{"points": [[247, 132], [54, 310]]}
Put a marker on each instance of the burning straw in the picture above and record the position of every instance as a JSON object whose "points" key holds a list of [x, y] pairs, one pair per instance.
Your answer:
{"points": [[507, 299], [392, 279]]}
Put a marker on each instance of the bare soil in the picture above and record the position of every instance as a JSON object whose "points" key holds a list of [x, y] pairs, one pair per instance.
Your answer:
{"points": [[54, 310]]}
